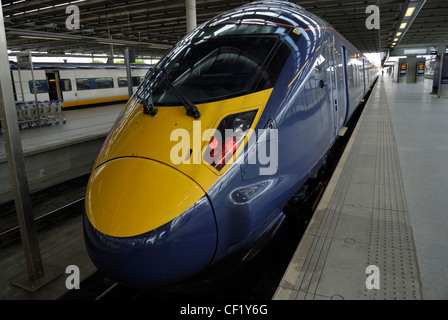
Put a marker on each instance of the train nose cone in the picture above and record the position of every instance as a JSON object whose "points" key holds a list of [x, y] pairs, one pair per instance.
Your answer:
{"points": [[147, 224]]}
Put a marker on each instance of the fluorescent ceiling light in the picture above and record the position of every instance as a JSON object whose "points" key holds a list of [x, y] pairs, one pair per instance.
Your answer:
{"points": [[110, 43], [156, 47], [40, 38], [409, 12], [399, 34], [403, 25]]}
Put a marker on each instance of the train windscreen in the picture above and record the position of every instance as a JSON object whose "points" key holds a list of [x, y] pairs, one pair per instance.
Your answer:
{"points": [[213, 68]]}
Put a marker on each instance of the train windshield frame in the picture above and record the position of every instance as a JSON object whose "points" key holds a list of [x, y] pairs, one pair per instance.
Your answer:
{"points": [[219, 63]]}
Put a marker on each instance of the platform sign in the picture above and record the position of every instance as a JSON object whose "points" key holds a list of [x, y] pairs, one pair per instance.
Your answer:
{"points": [[403, 71], [421, 69], [24, 59]]}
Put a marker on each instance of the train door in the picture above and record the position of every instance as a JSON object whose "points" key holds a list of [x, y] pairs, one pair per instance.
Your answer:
{"points": [[340, 100], [334, 88], [344, 113], [363, 78], [54, 87]]}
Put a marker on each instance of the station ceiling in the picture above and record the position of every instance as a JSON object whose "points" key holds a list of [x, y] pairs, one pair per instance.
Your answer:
{"points": [[153, 26]]}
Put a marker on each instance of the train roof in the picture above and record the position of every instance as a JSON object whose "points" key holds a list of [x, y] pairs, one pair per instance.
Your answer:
{"points": [[280, 13], [277, 13]]}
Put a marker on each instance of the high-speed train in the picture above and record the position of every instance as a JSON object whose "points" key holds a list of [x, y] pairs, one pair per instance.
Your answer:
{"points": [[223, 131], [78, 85]]}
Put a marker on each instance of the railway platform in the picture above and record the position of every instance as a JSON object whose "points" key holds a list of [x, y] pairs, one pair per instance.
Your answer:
{"points": [[61, 152], [381, 228]]}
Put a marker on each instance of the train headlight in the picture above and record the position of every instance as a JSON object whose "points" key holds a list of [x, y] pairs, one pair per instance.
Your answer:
{"points": [[228, 137]]}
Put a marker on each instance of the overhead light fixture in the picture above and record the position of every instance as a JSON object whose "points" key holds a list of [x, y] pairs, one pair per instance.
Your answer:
{"points": [[112, 43], [156, 47], [40, 38], [409, 12]]}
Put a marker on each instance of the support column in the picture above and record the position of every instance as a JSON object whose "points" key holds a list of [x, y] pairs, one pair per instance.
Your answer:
{"points": [[436, 87], [14, 154], [19, 181], [190, 6], [127, 60]]}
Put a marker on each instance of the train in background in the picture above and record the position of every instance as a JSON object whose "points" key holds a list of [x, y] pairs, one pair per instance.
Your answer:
{"points": [[77, 85], [269, 67]]}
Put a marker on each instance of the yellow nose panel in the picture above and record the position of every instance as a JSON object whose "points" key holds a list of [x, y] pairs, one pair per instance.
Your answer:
{"points": [[133, 196]]}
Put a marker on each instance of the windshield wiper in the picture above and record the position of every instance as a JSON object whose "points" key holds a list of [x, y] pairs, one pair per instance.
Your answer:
{"points": [[145, 98], [192, 110], [148, 104]]}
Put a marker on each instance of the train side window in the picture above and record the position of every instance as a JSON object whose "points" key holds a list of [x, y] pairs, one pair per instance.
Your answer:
{"points": [[104, 83], [66, 85], [275, 67], [350, 75], [41, 86], [83, 84], [136, 81], [123, 81]]}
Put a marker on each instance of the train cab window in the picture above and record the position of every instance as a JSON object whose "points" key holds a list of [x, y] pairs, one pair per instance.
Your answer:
{"points": [[217, 68], [123, 81], [104, 83], [275, 66], [41, 86]]}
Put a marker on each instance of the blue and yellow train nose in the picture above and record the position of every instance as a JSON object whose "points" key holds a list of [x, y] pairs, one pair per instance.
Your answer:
{"points": [[147, 224]]}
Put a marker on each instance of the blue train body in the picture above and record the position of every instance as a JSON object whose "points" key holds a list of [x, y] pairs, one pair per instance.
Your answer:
{"points": [[321, 81]]}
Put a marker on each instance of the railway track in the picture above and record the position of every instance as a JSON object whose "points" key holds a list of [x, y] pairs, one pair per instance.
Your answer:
{"points": [[50, 206], [12, 235]]}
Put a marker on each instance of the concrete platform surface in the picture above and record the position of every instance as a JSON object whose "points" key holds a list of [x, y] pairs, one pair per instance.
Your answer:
{"points": [[381, 228]]}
